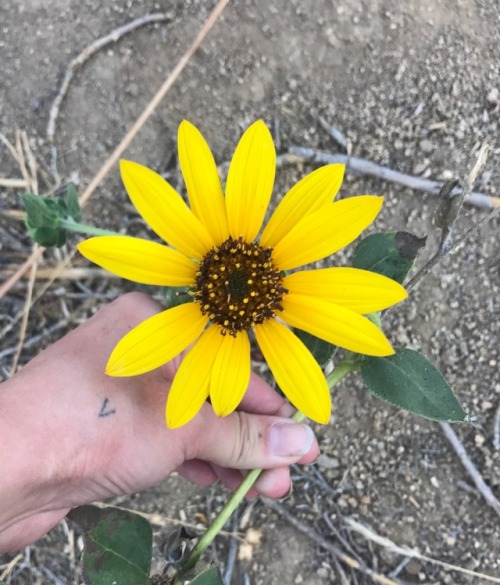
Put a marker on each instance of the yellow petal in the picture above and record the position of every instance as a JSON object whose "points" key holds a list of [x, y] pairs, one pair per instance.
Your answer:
{"points": [[295, 370], [164, 210], [202, 181], [230, 373], [326, 231], [156, 341], [306, 196], [250, 182], [359, 290], [191, 383], [139, 260], [335, 324]]}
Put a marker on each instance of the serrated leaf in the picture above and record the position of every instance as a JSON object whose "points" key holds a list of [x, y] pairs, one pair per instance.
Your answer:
{"points": [[408, 380], [117, 546], [322, 351], [389, 253], [72, 204], [211, 576]]}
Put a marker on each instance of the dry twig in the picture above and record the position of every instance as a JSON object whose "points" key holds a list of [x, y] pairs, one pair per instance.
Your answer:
{"points": [[367, 167], [8, 567], [112, 37], [410, 553], [231, 554], [23, 155], [449, 215], [335, 134], [13, 183], [471, 469], [343, 577], [24, 319], [36, 339], [28, 157], [74, 273], [496, 429]]}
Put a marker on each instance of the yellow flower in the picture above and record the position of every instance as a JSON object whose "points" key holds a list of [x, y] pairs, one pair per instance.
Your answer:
{"points": [[238, 283]]}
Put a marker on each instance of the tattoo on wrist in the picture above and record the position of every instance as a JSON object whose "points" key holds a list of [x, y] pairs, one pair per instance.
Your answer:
{"points": [[106, 409]]}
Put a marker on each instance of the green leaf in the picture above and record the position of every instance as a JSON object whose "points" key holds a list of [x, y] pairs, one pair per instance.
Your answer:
{"points": [[43, 219], [40, 211], [117, 546], [211, 576], [46, 236], [44, 215], [389, 253], [408, 380], [72, 203], [322, 351]]}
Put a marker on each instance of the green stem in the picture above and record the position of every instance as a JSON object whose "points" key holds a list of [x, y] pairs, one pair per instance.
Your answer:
{"points": [[375, 318], [81, 228], [343, 368]]}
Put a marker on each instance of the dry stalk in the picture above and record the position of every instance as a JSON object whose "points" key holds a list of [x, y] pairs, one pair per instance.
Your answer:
{"points": [[24, 319], [369, 534], [13, 183], [10, 566], [482, 487], [366, 167], [23, 154]]}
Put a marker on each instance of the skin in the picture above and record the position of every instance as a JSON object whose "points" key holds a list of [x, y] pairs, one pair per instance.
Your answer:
{"points": [[72, 435]]}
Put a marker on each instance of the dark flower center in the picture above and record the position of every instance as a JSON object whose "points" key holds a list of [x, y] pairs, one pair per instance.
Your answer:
{"points": [[238, 286]]}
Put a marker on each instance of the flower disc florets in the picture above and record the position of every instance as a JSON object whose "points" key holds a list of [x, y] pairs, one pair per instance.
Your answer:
{"points": [[238, 286]]}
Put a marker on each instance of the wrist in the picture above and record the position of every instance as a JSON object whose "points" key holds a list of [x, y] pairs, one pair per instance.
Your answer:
{"points": [[44, 450], [26, 478]]}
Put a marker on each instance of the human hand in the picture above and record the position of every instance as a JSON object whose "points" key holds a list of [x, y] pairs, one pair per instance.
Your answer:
{"points": [[72, 435]]}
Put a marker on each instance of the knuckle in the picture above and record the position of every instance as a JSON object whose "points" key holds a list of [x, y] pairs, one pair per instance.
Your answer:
{"points": [[245, 441], [134, 305]]}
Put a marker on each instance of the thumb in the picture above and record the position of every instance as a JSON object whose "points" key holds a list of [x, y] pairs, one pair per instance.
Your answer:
{"points": [[248, 441]]}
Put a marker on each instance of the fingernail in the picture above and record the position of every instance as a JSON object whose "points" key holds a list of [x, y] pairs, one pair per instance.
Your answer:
{"points": [[289, 439]]}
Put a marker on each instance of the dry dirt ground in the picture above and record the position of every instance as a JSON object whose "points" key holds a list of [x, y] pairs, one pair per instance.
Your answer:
{"points": [[411, 85]]}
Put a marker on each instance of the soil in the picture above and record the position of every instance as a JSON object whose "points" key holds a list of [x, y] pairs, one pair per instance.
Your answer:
{"points": [[411, 85]]}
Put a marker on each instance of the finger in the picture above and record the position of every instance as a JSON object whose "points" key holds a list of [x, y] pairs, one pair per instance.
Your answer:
{"points": [[124, 313], [231, 478], [246, 441], [260, 398], [310, 457], [198, 472], [274, 483]]}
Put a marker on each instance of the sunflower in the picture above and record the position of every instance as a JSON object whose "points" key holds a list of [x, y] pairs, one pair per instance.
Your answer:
{"points": [[241, 283]]}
